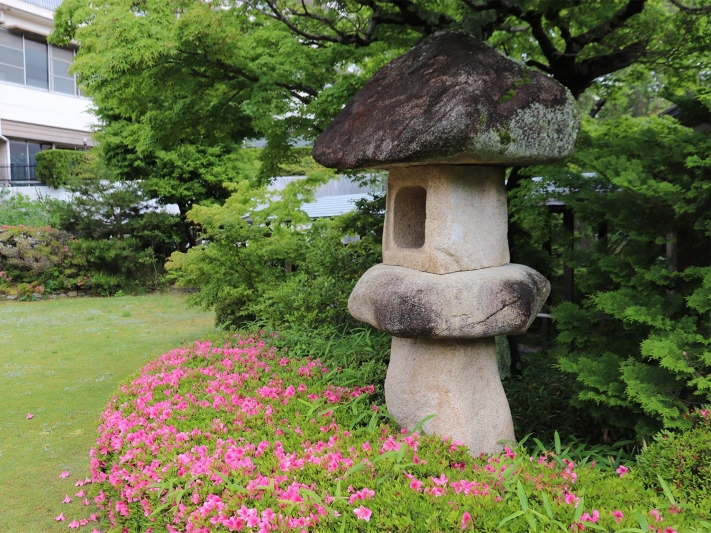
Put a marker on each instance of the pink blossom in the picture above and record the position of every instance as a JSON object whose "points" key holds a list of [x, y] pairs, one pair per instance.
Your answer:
{"points": [[416, 484], [67, 499], [64, 474], [618, 515], [74, 524], [670, 529], [60, 518], [363, 513], [654, 513], [466, 519], [29, 415], [622, 470], [587, 518], [572, 498], [441, 480]]}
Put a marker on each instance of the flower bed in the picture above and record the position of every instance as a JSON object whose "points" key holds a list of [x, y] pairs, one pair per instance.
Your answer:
{"points": [[240, 438]]}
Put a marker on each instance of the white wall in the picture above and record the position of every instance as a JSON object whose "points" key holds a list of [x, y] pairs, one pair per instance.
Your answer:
{"points": [[38, 106], [18, 14]]}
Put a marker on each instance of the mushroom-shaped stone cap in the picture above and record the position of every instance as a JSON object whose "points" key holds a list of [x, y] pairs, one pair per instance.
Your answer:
{"points": [[452, 100]]}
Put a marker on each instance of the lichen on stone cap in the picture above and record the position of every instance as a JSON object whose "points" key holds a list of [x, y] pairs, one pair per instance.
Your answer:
{"points": [[452, 100]]}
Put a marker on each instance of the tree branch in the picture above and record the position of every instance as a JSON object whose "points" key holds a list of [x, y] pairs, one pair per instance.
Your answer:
{"points": [[539, 33], [693, 10], [605, 28]]}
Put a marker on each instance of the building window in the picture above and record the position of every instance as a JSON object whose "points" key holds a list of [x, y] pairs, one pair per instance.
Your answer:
{"points": [[23, 160], [12, 58], [62, 81], [36, 64], [36, 71]]}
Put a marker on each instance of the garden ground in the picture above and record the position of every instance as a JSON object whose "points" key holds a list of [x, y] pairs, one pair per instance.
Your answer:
{"points": [[60, 361]]}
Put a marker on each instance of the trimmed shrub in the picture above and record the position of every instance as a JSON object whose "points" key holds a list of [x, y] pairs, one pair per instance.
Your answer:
{"points": [[683, 460], [57, 168]]}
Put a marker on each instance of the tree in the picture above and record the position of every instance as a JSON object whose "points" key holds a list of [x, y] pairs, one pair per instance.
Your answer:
{"points": [[637, 338], [186, 76]]}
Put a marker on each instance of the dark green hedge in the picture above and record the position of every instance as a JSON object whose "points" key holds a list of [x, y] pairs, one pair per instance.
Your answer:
{"points": [[56, 168]]}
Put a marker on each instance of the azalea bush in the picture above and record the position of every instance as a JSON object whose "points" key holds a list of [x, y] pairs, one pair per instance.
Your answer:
{"points": [[684, 459], [31, 257], [241, 436]]}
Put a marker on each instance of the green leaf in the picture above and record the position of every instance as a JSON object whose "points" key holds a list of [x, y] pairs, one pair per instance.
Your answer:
{"points": [[418, 426], [522, 496], [547, 506], [356, 468], [556, 438], [512, 516], [579, 511], [666, 489], [643, 524]]}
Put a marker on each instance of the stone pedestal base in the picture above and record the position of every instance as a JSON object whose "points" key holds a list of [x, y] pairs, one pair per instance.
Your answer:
{"points": [[457, 380]]}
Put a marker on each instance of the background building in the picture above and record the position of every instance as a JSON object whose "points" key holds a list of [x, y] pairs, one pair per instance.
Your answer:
{"points": [[40, 104]]}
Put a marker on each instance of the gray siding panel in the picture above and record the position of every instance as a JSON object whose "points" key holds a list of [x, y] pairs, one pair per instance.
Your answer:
{"points": [[36, 132]]}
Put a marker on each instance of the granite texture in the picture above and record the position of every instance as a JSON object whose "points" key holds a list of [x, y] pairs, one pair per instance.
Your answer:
{"points": [[458, 382], [463, 305], [453, 100], [446, 218]]}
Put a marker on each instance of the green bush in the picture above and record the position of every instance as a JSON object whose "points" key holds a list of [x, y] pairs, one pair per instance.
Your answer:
{"points": [[263, 259], [17, 209], [636, 339], [683, 460], [40, 256], [57, 168], [118, 264]]}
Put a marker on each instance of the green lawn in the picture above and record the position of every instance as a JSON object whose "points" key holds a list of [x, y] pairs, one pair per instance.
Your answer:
{"points": [[61, 360]]}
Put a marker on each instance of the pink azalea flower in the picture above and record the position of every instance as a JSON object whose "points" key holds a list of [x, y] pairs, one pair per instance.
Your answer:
{"points": [[466, 519], [67, 499], [74, 524], [80, 494], [618, 515], [587, 518], [670, 529], [656, 515], [29, 415], [64, 474], [441, 480], [572, 498], [363, 513], [60, 518], [416, 484], [622, 470]]}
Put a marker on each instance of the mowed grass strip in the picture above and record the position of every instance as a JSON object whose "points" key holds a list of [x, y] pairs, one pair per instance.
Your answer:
{"points": [[61, 360]]}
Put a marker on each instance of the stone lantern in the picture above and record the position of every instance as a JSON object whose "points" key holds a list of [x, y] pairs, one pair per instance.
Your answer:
{"points": [[445, 119]]}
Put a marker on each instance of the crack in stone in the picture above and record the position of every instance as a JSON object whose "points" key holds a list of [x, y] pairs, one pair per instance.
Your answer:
{"points": [[468, 323]]}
